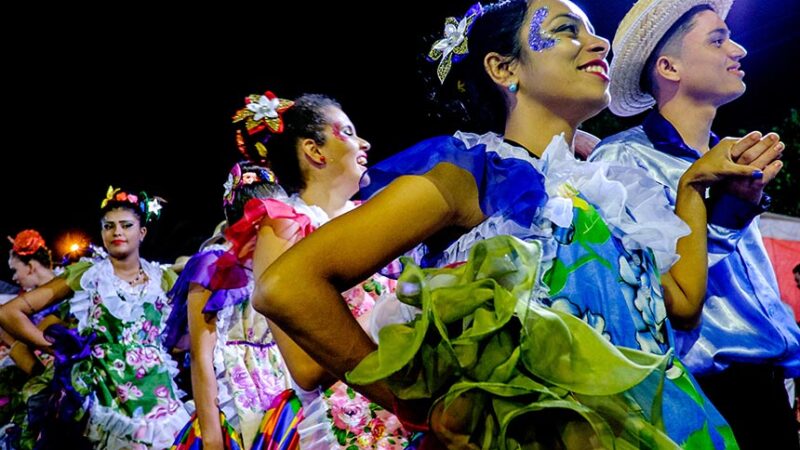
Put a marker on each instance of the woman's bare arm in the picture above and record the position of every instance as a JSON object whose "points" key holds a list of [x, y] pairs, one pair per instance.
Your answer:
{"points": [[14, 314], [685, 284], [269, 246], [300, 291], [203, 335], [21, 354]]}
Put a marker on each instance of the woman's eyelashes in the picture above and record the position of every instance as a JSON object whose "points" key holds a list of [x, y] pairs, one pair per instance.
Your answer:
{"points": [[342, 132], [571, 28], [110, 226]]}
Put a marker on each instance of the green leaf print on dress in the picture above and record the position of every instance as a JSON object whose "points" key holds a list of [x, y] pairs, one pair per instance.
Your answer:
{"points": [[588, 250], [127, 373], [127, 368], [586, 231], [587, 228]]}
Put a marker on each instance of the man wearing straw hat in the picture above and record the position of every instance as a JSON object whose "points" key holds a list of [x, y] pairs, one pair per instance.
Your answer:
{"points": [[677, 55]]}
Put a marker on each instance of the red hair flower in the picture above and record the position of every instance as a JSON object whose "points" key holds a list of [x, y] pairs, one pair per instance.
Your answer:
{"points": [[27, 242]]}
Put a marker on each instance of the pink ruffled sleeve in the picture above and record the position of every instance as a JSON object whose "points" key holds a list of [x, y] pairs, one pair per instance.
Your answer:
{"points": [[231, 267]]}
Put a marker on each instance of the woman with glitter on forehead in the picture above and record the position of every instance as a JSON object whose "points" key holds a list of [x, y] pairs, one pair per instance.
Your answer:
{"points": [[113, 380], [314, 151], [536, 313]]}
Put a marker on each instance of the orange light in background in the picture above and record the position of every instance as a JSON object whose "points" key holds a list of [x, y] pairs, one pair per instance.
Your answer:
{"points": [[72, 244]]}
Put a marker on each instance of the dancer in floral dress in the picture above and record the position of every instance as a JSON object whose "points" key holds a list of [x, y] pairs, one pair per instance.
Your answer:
{"points": [[312, 147], [22, 383], [32, 265], [113, 376]]}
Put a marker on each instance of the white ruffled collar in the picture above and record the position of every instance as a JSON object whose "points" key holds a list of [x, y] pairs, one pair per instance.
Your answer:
{"points": [[123, 301], [632, 204]]}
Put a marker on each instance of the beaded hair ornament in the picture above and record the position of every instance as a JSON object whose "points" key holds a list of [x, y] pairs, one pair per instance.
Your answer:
{"points": [[452, 48], [261, 112], [237, 179], [27, 242], [150, 207]]}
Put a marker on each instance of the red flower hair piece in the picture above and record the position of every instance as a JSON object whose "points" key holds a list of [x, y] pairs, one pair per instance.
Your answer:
{"points": [[27, 242]]}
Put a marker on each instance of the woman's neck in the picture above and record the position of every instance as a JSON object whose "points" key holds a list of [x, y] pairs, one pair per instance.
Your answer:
{"points": [[46, 276], [331, 200], [533, 127], [42, 276], [126, 266]]}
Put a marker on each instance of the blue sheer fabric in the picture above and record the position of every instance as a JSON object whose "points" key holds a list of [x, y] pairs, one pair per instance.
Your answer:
{"points": [[504, 185]]}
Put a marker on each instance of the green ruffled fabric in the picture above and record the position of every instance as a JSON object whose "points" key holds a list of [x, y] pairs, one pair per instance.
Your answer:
{"points": [[73, 274], [533, 377], [168, 279]]}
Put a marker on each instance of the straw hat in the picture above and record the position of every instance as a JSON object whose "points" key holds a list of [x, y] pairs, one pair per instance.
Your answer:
{"points": [[636, 38]]}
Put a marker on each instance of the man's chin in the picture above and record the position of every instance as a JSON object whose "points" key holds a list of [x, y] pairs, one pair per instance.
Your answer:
{"points": [[733, 95]]}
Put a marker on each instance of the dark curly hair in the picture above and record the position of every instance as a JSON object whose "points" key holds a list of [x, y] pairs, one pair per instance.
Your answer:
{"points": [[468, 96], [304, 120], [264, 188]]}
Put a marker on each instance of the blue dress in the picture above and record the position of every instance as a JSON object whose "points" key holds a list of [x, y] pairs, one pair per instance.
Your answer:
{"points": [[604, 235]]}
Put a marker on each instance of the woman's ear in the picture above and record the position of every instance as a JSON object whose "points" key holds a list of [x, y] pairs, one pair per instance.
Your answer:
{"points": [[312, 151], [501, 69]]}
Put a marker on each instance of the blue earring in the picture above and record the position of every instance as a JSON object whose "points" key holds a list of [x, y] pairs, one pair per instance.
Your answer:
{"points": [[513, 88]]}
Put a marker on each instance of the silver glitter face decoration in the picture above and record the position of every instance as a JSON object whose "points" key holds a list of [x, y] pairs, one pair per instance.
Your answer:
{"points": [[539, 40]]}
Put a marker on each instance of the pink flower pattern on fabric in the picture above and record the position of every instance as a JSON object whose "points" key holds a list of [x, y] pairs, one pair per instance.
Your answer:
{"points": [[350, 420], [128, 391], [362, 298], [350, 411], [357, 423], [253, 373]]}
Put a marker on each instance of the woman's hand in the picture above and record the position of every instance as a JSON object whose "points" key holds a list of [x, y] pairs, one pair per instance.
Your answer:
{"points": [[719, 163], [764, 156], [213, 440]]}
